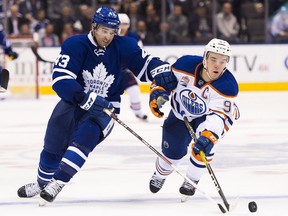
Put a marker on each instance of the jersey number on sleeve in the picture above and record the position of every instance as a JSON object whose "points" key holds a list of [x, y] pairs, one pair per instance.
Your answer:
{"points": [[62, 60], [228, 106]]}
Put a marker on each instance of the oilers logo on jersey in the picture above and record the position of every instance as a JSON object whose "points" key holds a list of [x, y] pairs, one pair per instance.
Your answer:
{"points": [[192, 102], [98, 81]]}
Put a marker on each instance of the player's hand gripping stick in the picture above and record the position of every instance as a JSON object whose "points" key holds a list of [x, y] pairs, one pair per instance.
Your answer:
{"points": [[158, 97]]}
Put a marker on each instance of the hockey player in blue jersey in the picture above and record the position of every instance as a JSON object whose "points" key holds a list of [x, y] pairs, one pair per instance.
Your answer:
{"points": [[205, 94], [130, 84], [87, 77], [6, 46]]}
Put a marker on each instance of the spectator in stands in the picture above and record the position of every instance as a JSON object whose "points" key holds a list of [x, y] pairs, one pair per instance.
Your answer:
{"points": [[279, 26], [66, 16], [39, 23], [134, 16], [15, 20], [200, 25], [186, 5], [145, 36], [227, 24], [68, 31], [55, 7], [49, 38], [152, 19], [85, 19], [178, 24], [24, 30], [165, 36], [30, 7]]}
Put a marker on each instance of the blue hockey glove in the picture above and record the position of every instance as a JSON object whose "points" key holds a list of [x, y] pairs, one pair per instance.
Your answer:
{"points": [[164, 77], [12, 55], [205, 142], [158, 97], [95, 104]]}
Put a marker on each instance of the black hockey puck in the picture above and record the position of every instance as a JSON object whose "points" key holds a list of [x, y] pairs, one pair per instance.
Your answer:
{"points": [[252, 206]]}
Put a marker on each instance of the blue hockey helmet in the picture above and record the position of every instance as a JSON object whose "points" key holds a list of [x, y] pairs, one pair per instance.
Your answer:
{"points": [[107, 17]]}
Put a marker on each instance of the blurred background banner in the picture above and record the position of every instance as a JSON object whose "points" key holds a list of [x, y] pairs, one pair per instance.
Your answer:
{"points": [[256, 67], [256, 29]]}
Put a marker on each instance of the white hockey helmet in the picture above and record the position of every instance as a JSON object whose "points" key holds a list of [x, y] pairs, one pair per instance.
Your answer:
{"points": [[218, 46], [124, 19]]}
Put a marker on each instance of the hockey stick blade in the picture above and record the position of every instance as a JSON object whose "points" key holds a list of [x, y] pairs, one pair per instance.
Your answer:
{"points": [[207, 165], [4, 80], [114, 116], [38, 57]]}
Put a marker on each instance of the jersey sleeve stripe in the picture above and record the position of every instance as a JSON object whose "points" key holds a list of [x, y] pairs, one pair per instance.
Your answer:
{"points": [[144, 69], [60, 78], [59, 70]]}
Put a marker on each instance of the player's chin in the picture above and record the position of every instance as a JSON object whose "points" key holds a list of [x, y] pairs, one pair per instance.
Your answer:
{"points": [[216, 74], [105, 43]]}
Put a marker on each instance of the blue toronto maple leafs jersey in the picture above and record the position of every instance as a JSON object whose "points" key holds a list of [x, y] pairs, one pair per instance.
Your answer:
{"points": [[4, 43], [83, 66]]}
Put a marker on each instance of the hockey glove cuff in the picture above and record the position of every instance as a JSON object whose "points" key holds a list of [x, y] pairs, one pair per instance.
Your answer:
{"points": [[205, 142], [158, 97], [95, 104], [164, 77]]}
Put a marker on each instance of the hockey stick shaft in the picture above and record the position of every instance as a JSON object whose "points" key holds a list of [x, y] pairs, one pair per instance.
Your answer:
{"points": [[208, 166], [38, 57], [114, 116]]}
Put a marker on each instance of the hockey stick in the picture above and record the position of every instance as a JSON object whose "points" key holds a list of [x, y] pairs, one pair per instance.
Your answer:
{"points": [[4, 78], [38, 57], [113, 115], [210, 170]]}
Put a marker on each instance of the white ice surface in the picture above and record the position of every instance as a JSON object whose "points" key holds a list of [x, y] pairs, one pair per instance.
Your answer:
{"points": [[251, 163]]}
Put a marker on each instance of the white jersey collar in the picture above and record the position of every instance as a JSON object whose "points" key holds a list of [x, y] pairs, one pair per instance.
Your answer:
{"points": [[90, 37]]}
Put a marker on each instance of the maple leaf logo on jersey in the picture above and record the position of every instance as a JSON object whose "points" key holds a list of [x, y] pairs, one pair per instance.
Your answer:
{"points": [[98, 81], [192, 102]]}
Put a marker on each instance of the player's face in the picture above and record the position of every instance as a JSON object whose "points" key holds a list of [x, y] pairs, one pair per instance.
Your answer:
{"points": [[104, 35], [216, 63]]}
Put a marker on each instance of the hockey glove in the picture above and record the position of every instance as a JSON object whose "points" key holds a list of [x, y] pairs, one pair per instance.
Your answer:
{"points": [[12, 55], [205, 142], [164, 77], [158, 97], [95, 104]]}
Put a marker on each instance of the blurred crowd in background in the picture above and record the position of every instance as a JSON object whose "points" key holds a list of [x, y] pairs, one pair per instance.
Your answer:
{"points": [[157, 22]]}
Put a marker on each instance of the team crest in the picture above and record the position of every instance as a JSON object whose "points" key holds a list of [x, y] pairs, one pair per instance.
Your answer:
{"points": [[98, 81], [192, 102]]}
